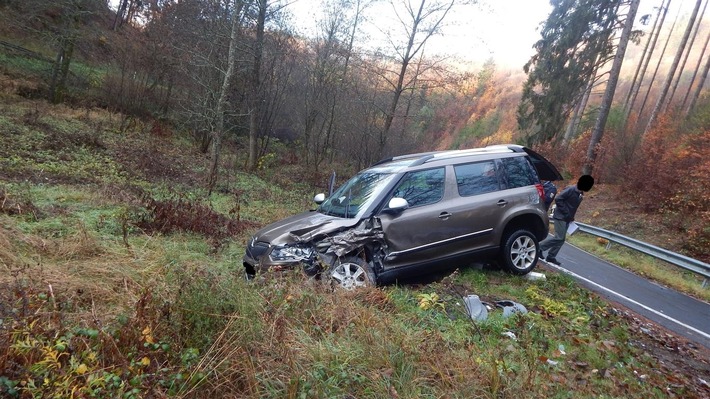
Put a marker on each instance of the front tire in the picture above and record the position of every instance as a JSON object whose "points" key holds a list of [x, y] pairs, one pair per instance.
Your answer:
{"points": [[520, 252], [351, 272]]}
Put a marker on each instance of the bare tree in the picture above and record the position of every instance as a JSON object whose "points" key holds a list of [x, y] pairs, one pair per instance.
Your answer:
{"points": [[255, 82], [421, 20], [324, 80], [222, 105], [658, 66], [66, 28], [669, 78], [573, 125], [701, 83], [598, 131], [648, 51], [695, 73], [687, 54]]}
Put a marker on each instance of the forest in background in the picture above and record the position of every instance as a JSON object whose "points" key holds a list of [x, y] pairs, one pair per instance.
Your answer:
{"points": [[232, 76]]}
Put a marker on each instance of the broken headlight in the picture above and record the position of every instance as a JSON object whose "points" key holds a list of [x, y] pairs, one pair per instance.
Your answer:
{"points": [[293, 253]]}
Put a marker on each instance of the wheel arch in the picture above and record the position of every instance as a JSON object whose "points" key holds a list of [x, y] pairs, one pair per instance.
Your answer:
{"points": [[528, 221]]}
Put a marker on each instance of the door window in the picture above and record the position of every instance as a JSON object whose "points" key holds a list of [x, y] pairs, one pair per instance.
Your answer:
{"points": [[476, 178], [422, 187]]}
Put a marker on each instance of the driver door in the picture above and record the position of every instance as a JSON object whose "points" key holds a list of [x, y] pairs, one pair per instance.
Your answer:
{"points": [[421, 231]]}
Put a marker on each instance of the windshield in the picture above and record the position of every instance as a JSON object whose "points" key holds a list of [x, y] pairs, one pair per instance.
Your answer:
{"points": [[356, 194]]}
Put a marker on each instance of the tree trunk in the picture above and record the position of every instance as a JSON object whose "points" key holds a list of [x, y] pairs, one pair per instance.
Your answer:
{"points": [[671, 72], [687, 54], [658, 65], [218, 131], [571, 131], [120, 12], [699, 88], [695, 74], [255, 84], [60, 70], [645, 58], [598, 131]]}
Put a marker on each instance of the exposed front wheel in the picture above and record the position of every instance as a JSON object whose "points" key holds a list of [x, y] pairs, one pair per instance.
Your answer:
{"points": [[520, 252], [352, 272]]}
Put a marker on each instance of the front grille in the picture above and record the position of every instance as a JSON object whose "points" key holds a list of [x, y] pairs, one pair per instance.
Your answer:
{"points": [[257, 249]]}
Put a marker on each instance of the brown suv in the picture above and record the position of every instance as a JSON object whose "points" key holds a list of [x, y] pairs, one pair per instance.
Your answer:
{"points": [[415, 214]]}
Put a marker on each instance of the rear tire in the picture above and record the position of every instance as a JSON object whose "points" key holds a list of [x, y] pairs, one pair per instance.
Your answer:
{"points": [[520, 252], [351, 272]]}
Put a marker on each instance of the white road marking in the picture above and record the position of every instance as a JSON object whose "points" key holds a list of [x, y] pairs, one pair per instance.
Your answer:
{"points": [[575, 275]]}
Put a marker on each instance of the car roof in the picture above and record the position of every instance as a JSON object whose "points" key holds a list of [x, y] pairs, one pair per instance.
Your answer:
{"points": [[545, 169], [425, 157]]}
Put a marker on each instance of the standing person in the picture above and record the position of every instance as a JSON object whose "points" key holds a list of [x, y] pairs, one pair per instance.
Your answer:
{"points": [[566, 203]]}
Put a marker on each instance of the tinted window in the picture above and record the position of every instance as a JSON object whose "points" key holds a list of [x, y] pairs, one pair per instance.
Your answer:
{"points": [[476, 178], [422, 187], [518, 172]]}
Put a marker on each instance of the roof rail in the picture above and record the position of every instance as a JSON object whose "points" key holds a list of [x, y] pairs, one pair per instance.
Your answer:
{"points": [[423, 157], [422, 160]]}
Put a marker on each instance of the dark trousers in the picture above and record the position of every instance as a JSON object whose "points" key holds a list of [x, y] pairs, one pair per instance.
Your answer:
{"points": [[553, 244]]}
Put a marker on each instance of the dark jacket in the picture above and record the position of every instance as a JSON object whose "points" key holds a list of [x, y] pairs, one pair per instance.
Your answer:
{"points": [[567, 203]]}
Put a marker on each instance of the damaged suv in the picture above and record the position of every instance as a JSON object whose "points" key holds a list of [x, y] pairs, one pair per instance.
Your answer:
{"points": [[415, 214]]}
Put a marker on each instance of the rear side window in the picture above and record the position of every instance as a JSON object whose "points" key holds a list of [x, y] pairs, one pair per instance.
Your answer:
{"points": [[422, 187], [476, 178], [518, 172]]}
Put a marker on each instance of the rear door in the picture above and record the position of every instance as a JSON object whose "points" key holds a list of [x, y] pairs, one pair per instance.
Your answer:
{"points": [[478, 206]]}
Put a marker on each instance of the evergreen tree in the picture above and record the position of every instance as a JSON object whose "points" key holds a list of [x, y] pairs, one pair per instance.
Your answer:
{"points": [[576, 40]]}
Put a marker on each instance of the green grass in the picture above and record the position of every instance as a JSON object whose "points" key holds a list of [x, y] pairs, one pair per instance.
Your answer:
{"points": [[25, 65]]}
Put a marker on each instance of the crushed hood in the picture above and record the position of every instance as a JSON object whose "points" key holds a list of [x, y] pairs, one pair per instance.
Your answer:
{"points": [[349, 240], [302, 227]]}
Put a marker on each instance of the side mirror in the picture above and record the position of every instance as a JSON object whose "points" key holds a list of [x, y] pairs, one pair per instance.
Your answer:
{"points": [[397, 204], [319, 198]]}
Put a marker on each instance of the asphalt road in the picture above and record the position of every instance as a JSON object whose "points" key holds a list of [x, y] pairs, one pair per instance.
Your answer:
{"points": [[677, 312]]}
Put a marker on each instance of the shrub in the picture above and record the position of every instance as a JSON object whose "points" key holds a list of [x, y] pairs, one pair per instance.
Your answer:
{"points": [[184, 215]]}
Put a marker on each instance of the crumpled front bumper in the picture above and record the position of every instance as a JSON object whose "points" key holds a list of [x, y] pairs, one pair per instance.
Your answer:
{"points": [[256, 259]]}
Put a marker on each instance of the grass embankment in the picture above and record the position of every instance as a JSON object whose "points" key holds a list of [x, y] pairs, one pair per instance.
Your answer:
{"points": [[113, 286]]}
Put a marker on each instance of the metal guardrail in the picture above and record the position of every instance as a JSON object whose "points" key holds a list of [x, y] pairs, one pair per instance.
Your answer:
{"points": [[673, 258]]}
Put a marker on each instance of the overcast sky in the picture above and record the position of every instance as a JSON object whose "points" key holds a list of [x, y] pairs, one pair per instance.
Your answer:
{"points": [[504, 30]]}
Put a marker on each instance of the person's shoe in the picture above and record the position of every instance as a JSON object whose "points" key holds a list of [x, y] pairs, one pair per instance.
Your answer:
{"points": [[553, 261]]}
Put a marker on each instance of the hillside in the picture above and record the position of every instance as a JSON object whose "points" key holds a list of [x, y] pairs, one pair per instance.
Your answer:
{"points": [[120, 278]]}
